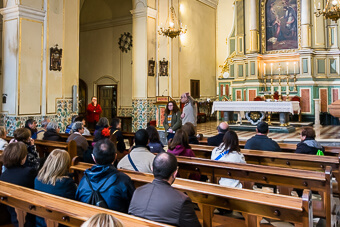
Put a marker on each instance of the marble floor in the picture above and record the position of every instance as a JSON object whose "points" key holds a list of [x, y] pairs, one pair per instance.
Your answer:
{"points": [[329, 134]]}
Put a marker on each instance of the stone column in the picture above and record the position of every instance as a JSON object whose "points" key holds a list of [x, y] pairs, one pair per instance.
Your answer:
{"points": [[254, 26], [306, 41], [31, 88], [23, 31], [143, 33], [317, 112]]}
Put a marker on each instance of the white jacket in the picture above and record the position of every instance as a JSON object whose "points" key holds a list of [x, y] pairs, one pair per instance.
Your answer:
{"points": [[232, 156]]}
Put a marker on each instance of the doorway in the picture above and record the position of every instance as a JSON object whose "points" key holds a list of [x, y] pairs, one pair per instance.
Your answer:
{"points": [[82, 97], [107, 99]]}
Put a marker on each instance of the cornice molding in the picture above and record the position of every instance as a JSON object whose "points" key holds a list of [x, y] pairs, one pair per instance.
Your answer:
{"points": [[211, 3], [20, 11], [106, 24], [144, 12]]}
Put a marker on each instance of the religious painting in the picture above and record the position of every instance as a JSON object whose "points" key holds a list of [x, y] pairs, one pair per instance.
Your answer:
{"points": [[280, 25]]}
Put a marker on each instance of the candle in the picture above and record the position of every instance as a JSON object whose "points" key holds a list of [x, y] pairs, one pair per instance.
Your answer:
{"points": [[272, 89], [279, 89], [287, 90], [271, 69], [264, 69], [294, 67], [287, 67]]}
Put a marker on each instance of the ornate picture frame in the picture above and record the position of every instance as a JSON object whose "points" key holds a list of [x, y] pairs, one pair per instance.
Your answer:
{"points": [[55, 58], [163, 68], [277, 20], [151, 67]]}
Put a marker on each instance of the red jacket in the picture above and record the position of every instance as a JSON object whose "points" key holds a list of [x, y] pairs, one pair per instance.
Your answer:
{"points": [[93, 112]]}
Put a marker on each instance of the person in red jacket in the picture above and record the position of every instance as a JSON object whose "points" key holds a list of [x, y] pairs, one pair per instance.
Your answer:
{"points": [[93, 112]]}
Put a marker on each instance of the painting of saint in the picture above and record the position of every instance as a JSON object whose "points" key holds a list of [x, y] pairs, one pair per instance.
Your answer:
{"points": [[281, 25]]}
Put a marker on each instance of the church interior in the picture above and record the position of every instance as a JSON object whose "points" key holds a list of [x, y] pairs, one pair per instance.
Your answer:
{"points": [[136, 55]]}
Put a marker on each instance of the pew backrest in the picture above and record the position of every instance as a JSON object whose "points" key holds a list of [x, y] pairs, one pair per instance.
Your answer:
{"points": [[287, 208], [58, 209]]}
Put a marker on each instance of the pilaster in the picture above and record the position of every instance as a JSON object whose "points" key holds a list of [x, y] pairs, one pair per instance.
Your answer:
{"points": [[306, 39]]}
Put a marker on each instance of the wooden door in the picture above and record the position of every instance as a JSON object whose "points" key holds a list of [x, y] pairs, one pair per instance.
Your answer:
{"points": [[107, 98]]}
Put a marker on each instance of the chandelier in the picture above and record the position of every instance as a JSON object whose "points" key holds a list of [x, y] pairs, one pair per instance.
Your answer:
{"points": [[172, 27], [331, 11]]}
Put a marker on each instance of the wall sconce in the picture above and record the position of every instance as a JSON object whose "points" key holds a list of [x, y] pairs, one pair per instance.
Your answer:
{"points": [[55, 58], [163, 69], [151, 67]]}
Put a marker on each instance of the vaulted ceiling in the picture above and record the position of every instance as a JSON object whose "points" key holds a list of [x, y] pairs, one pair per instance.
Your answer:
{"points": [[100, 10]]}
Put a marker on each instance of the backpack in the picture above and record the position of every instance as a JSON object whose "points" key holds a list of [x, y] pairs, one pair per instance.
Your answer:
{"points": [[96, 198]]}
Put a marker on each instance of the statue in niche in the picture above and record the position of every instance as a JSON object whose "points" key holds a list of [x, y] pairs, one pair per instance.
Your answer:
{"points": [[163, 69], [55, 58]]}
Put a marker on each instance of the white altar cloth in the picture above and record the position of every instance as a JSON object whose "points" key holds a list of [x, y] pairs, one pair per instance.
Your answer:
{"points": [[279, 107]]}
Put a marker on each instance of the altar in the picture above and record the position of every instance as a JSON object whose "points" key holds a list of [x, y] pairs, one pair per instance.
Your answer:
{"points": [[255, 111]]}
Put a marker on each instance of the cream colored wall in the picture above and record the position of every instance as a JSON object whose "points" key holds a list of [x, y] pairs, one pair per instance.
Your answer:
{"points": [[54, 79], [100, 56], [224, 24], [30, 66], [37, 4], [71, 47], [197, 55]]}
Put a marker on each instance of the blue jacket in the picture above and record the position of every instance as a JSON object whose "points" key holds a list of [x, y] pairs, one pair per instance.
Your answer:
{"points": [[64, 187], [117, 191]]}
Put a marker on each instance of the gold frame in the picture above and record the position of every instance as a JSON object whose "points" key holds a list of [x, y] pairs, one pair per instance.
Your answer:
{"points": [[263, 30]]}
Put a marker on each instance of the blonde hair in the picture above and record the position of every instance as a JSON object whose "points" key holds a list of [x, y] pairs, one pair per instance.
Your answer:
{"points": [[100, 220], [55, 167], [2, 131]]}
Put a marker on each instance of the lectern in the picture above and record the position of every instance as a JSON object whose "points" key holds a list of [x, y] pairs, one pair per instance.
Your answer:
{"points": [[161, 102]]}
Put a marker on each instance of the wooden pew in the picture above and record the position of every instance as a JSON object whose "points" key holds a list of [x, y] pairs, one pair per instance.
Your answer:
{"points": [[44, 147], [285, 179], [280, 159], [253, 204], [127, 135], [56, 209], [285, 147]]}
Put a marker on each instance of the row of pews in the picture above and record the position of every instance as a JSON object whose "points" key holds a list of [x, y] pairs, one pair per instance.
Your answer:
{"points": [[285, 171]]}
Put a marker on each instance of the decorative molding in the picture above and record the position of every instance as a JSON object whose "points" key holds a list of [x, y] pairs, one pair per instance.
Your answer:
{"points": [[23, 12], [106, 24], [106, 77], [211, 3], [144, 12]]}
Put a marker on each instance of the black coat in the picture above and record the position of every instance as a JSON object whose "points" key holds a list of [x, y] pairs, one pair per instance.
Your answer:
{"points": [[262, 143], [216, 140], [308, 146], [160, 202], [52, 135], [22, 176], [193, 140], [120, 140]]}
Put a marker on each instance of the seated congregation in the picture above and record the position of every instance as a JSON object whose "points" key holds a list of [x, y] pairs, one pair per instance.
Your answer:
{"points": [[106, 186]]}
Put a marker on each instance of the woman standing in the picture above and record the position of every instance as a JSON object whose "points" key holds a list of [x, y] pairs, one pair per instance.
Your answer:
{"points": [[229, 151], [172, 119]]}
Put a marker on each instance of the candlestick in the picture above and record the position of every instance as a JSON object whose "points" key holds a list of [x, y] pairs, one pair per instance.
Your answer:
{"points": [[287, 87]]}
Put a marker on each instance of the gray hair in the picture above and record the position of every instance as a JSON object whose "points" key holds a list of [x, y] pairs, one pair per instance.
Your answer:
{"points": [[78, 125], [52, 125], [45, 122]]}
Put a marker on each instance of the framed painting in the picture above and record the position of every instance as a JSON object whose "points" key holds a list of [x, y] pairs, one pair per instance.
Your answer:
{"points": [[280, 26]]}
